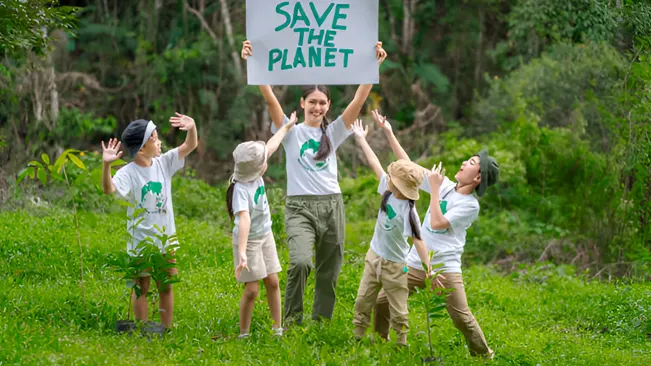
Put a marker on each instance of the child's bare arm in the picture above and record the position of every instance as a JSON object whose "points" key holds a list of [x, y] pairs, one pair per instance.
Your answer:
{"points": [[274, 107], [382, 121], [360, 134], [186, 123], [421, 249], [243, 238], [275, 141]]}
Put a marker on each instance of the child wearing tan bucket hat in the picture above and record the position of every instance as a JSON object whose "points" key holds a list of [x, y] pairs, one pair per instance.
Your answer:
{"points": [[385, 265], [254, 248]]}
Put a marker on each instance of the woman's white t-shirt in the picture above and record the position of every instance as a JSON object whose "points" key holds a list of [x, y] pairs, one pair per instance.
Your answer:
{"points": [[306, 176]]}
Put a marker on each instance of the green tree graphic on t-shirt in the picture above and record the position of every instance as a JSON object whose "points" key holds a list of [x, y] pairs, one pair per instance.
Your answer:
{"points": [[313, 145], [155, 190]]}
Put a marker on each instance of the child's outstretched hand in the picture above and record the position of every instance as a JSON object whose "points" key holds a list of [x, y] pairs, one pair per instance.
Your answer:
{"points": [[380, 53], [292, 121], [436, 176], [111, 152], [359, 129], [381, 120], [247, 50], [183, 122], [241, 265]]}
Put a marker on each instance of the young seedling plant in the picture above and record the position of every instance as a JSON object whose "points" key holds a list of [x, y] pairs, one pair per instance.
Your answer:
{"points": [[46, 172], [159, 267], [129, 267], [433, 298]]}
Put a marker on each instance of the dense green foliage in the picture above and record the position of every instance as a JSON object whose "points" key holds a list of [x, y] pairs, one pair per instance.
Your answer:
{"points": [[24, 24]]}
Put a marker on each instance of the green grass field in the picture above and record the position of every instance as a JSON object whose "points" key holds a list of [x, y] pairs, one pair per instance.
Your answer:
{"points": [[538, 316]]}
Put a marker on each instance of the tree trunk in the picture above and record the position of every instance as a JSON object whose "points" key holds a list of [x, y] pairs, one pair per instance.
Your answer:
{"points": [[480, 41], [406, 18], [408, 27], [231, 41], [412, 27], [53, 92], [392, 22]]}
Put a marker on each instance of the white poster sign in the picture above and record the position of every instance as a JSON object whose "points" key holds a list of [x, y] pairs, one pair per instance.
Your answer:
{"points": [[298, 42]]}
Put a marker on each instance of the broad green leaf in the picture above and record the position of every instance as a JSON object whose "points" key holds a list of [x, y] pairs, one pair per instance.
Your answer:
{"points": [[45, 158], [54, 174], [75, 160], [125, 203], [35, 163], [61, 160], [424, 266], [139, 221], [437, 308], [42, 176], [23, 173], [118, 163], [58, 164], [437, 316]]}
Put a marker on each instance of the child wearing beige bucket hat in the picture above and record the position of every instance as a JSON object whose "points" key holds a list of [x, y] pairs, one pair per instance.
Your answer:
{"points": [[385, 265], [254, 248]]}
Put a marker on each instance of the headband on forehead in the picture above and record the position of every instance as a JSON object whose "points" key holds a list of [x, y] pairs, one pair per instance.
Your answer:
{"points": [[148, 132]]}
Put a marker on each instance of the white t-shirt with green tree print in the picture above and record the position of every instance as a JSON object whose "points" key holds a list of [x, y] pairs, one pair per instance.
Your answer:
{"points": [[392, 228], [251, 197], [306, 176], [149, 188], [460, 210]]}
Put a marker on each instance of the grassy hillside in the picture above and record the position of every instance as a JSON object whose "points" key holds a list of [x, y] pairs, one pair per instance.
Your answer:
{"points": [[539, 315]]}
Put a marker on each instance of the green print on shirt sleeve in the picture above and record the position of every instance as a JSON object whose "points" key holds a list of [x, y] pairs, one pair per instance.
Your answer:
{"points": [[444, 207], [444, 210], [391, 213]]}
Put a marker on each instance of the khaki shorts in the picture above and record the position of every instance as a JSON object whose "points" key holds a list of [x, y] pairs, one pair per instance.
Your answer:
{"points": [[261, 256]]}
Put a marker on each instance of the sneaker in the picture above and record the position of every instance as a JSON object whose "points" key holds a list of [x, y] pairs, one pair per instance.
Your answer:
{"points": [[359, 332], [244, 336], [490, 355], [278, 332]]}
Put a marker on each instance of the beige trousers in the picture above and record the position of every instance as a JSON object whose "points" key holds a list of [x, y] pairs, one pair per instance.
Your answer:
{"points": [[457, 307], [381, 274]]}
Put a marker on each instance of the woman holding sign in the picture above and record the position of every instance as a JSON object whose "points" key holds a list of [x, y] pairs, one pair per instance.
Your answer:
{"points": [[315, 219]]}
